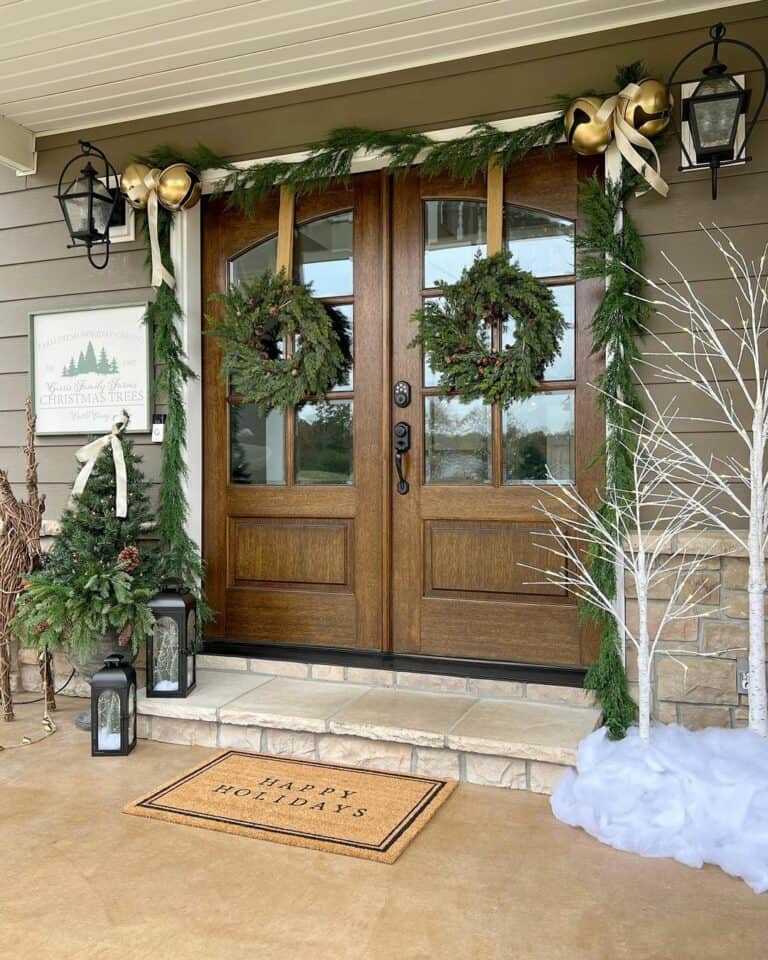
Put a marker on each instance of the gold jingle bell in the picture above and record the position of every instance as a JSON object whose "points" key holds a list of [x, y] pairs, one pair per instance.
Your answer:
{"points": [[651, 110], [179, 187], [585, 134], [132, 185]]}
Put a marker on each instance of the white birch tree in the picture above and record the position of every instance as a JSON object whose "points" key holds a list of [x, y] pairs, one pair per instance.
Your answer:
{"points": [[646, 530], [725, 363]]}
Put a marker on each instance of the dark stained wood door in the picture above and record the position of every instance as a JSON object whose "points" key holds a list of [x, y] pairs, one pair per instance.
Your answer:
{"points": [[469, 520], [292, 515], [306, 540]]}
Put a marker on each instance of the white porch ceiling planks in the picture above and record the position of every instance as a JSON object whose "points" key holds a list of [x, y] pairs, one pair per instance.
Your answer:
{"points": [[66, 65]]}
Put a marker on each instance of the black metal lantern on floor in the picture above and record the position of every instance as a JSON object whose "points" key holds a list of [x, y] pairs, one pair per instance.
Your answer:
{"points": [[87, 202], [113, 709], [715, 108], [171, 659]]}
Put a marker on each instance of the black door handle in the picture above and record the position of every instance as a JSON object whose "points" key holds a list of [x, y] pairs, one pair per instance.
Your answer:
{"points": [[402, 435]]}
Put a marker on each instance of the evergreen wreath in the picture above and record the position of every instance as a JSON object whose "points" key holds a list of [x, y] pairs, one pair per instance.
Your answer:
{"points": [[257, 318], [452, 335]]}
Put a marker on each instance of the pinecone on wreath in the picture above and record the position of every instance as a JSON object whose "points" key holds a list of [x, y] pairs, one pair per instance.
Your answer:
{"points": [[129, 558]]}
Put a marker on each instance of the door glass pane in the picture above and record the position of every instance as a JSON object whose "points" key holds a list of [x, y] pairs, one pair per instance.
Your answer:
{"points": [[563, 367], [324, 442], [165, 655], [322, 255], [432, 379], [454, 231], [244, 268], [191, 646], [539, 242], [346, 383], [538, 438], [457, 440], [256, 445]]}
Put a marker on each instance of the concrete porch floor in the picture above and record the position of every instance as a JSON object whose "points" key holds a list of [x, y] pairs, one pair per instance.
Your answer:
{"points": [[494, 876]]}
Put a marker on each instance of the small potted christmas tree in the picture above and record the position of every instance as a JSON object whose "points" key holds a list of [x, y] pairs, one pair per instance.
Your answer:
{"points": [[91, 596]]}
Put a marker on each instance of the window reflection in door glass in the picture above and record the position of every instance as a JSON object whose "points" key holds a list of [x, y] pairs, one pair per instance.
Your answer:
{"points": [[324, 442], [563, 367], [256, 445], [323, 255], [538, 438], [454, 231], [347, 382], [539, 242], [252, 263], [457, 440]]}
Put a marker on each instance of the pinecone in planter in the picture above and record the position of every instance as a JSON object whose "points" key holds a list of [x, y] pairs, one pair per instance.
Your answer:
{"points": [[129, 558], [125, 634]]}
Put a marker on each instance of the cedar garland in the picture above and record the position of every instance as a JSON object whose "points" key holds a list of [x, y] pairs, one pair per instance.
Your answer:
{"points": [[605, 252]]}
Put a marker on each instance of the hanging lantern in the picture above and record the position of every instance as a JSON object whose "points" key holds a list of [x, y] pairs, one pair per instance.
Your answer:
{"points": [[87, 202], [113, 709], [171, 660], [715, 108]]}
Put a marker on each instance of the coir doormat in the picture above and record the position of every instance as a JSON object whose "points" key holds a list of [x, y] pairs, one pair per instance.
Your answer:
{"points": [[360, 813]]}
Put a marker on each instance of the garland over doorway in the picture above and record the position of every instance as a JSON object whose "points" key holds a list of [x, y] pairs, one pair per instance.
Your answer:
{"points": [[610, 248]]}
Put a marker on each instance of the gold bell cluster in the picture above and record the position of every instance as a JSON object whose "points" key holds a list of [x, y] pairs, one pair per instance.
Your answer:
{"points": [[627, 122], [178, 187]]}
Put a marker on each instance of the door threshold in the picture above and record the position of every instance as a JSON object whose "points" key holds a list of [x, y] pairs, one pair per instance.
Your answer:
{"points": [[562, 676]]}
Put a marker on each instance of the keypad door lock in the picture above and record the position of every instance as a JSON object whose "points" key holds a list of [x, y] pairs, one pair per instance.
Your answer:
{"points": [[401, 393]]}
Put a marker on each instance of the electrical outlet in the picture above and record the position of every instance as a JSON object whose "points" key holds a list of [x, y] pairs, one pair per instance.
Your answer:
{"points": [[742, 676]]}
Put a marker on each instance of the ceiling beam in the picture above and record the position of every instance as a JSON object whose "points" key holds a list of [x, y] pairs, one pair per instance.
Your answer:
{"points": [[17, 147]]}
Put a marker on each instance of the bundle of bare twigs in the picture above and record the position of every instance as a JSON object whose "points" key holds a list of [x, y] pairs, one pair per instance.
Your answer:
{"points": [[20, 552]]}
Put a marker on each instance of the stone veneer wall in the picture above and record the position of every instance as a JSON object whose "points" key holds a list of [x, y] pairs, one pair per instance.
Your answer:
{"points": [[700, 691]]}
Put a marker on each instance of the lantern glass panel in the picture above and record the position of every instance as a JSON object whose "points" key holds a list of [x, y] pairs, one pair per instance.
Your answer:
{"points": [[102, 207], [108, 713], [715, 121], [165, 654], [191, 628], [132, 714]]}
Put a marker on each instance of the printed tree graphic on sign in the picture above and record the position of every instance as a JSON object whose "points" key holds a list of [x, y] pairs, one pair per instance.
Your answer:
{"points": [[87, 363]]}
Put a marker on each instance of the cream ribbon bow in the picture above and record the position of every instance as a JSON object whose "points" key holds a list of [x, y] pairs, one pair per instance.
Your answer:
{"points": [[90, 453], [627, 138], [151, 181]]}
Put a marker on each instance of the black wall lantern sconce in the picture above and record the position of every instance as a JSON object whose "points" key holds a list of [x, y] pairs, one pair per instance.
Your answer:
{"points": [[88, 202], [113, 709], [716, 107]]}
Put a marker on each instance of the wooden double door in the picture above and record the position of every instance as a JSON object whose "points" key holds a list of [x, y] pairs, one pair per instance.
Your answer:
{"points": [[307, 540]]}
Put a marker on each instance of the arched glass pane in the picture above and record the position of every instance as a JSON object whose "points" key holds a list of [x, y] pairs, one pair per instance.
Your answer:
{"points": [[256, 445], [108, 713], [457, 440], [191, 644], [324, 442], [538, 438], [322, 255], [165, 655], [253, 262], [563, 367], [539, 242], [454, 231]]}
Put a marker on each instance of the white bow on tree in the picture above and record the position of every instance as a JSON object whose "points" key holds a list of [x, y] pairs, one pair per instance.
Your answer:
{"points": [[90, 453]]}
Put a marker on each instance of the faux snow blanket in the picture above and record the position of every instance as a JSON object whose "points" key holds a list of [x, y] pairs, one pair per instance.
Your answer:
{"points": [[697, 796]]}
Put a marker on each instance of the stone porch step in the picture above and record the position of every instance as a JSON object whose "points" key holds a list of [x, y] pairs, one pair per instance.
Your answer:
{"points": [[510, 741]]}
